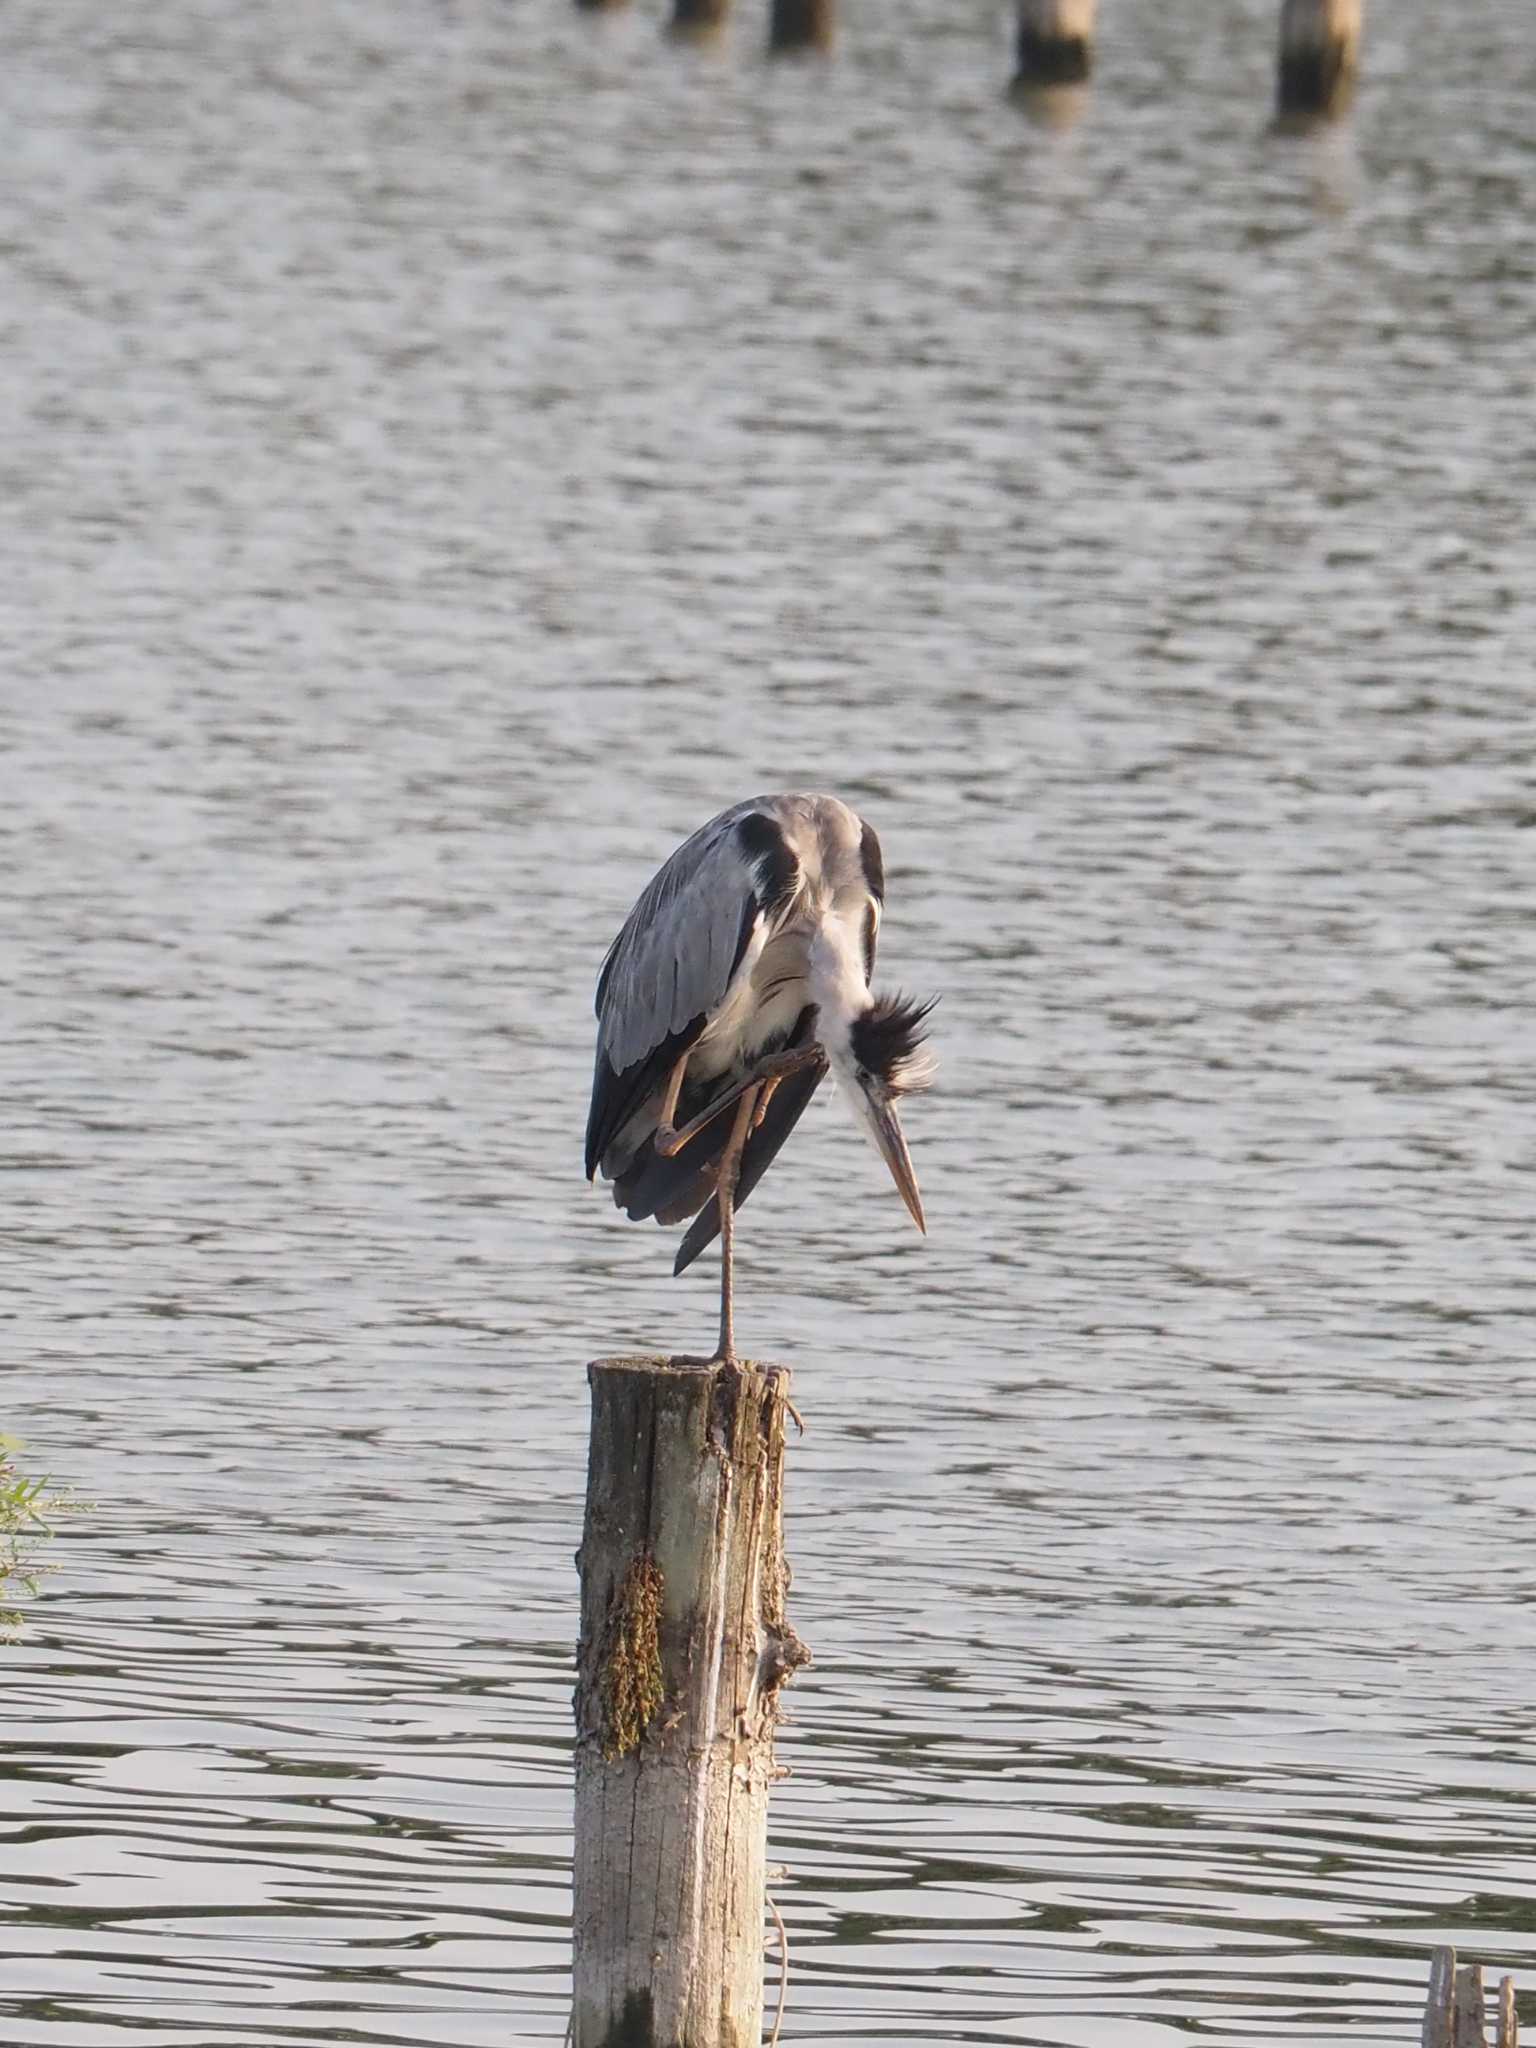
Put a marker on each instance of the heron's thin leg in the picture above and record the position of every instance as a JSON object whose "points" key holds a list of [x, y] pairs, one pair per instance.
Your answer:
{"points": [[725, 1195], [774, 1067], [763, 1100], [664, 1130]]}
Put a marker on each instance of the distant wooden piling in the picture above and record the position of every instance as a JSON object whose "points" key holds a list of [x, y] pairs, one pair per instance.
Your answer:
{"points": [[1055, 42], [698, 17], [684, 1648], [1319, 57], [1454, 2013], [802, 24]]}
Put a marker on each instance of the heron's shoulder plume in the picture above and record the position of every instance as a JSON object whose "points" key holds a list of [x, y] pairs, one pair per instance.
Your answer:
{"points": [[889, 1039]]}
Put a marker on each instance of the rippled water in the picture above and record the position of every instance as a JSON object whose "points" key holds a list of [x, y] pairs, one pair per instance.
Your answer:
{"points": [[449, 453]]}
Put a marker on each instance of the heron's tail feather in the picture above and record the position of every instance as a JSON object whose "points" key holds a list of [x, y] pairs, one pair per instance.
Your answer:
{"points": [[784, 1112]]}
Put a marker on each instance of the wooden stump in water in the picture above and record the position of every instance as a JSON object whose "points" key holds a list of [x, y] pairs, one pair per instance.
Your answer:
{"points": [[698, 17], [1454, 2012], [801, 24], [1055, 43], [684, 1648], [1319, 56]]}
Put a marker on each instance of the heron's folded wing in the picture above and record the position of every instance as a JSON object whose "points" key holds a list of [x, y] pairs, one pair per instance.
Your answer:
{"points": [[670, 967]]}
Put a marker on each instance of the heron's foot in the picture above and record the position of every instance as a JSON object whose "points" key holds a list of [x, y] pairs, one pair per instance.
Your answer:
{"points": [[774, 1067], [778, 1066], [717, 1432], [670, 1138]]}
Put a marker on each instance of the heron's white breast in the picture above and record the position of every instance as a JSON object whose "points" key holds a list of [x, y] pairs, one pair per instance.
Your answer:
{"points": [[815, 956]]}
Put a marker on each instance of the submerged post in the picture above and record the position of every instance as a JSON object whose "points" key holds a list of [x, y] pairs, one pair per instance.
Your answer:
{"points": [[1507, 2023], [1454, 2012], [684, 1648], [1055, 44], [1319, 57], [698, 17], [801, 24]]}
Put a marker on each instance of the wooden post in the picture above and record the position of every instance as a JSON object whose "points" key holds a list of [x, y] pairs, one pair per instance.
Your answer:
{"points": [[1319, 57], [684, 1648], [698, 17], [1439, 2004], [1453, 2013], [1508, 2035], [1055, 42], [1469, 2008], [801, 24]]}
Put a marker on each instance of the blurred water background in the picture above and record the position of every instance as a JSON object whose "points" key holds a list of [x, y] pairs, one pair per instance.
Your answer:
{"points": [[452, 449]]}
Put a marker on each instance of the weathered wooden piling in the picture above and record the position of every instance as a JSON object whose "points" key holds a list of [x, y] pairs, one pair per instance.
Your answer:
{"points": [[1454, 2011], [1055, 42], [698, 17], [1319, 57], [802, 24], [684, 1648]]}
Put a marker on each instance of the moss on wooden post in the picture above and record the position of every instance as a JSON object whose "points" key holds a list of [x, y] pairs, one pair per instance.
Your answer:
{"points": [[685, 1646], [629, 1675]]}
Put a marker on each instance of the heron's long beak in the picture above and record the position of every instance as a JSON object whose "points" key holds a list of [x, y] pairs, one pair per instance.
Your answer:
{"points": [[880, 1115]]}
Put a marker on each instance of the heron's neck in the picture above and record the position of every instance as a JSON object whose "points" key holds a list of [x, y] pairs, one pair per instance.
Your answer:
{"points": [[837, 987]]}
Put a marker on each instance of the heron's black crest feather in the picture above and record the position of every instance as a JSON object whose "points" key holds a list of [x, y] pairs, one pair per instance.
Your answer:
{"points": [[888, 1041]]}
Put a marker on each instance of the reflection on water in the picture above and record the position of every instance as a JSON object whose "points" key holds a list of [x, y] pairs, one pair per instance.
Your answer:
{"points": [[447, 462]]}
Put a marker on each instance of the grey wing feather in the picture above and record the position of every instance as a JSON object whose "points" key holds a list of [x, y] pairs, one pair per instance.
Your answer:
{"points": [[680, 946]]}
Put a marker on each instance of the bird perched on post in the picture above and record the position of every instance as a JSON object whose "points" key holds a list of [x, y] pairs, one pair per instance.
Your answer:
{"points": [[740, 979]]}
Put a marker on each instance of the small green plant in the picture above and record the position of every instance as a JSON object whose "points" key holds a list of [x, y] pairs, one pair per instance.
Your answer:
{"points": [[27, 1511]]}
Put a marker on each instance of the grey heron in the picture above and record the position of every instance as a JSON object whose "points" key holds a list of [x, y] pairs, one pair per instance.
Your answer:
{"points": [[739, 981]]}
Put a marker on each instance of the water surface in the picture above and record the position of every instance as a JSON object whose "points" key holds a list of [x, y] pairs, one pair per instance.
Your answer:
{"points": [[449, 453]]}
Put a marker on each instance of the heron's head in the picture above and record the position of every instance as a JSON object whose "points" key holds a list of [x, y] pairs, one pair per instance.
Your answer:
{"points": [[890, 1057]]}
